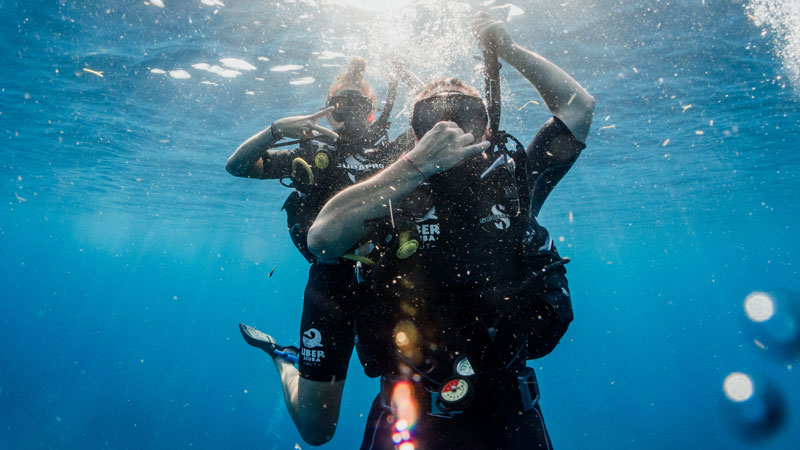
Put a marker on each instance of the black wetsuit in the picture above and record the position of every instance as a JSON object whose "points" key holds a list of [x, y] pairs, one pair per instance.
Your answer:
{"points": [[486, 284], [326, 340]]}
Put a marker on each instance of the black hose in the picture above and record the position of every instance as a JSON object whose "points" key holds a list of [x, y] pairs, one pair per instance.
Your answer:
{"points": [[492, 89], [379, 127]]}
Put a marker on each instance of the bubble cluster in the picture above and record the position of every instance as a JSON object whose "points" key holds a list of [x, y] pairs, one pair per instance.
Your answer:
{"points": [[781, 18]]}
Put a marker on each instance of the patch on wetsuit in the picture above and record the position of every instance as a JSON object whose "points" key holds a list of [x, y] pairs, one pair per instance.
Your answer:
{"points": [[312, 351]]}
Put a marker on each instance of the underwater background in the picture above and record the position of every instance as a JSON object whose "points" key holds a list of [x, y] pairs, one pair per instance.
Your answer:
{"points": [[129, 255]]}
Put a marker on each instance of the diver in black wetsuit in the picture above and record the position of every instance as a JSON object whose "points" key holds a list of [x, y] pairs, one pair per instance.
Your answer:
{"points": [[453, 322], [325, 162]]}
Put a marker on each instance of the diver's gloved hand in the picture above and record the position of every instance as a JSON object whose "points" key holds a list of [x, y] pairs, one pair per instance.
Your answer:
{"points": [[492, 34], [444, 146], [267, 343], [302, 127]]}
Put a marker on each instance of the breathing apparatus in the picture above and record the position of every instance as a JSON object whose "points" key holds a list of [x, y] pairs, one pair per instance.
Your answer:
{"points": [[351, 107], [516, 160]]}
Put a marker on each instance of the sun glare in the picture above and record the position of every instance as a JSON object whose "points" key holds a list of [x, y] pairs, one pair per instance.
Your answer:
{"points": [[374, 5]]}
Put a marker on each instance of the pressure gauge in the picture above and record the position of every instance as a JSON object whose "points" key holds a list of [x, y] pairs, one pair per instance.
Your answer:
{"points": [[455, 392], [463, 367]]}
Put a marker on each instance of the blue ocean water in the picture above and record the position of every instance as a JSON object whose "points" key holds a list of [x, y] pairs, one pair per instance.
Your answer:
{"points": [[129, 255]]}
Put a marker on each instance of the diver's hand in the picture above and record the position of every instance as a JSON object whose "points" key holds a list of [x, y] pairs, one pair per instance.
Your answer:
{"points": [[302, 127], [400, 68], [492, 34], [444, 146]]}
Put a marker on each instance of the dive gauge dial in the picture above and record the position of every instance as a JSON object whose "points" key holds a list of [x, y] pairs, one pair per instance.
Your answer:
{"points": [[455, 390]]}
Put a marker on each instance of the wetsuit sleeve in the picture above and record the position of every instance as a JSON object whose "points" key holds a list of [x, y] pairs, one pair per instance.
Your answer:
{"points": [[549, 157], [327, 333]]}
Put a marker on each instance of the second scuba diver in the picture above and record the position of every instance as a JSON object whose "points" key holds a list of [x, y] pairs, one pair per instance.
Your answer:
{"points": [[325, 162], [453, 323]]}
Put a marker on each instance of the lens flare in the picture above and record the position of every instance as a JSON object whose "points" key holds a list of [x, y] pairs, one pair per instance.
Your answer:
{"points": [[401, 425], [401, 339], [404, 407], [759, 307], [754, 406], [405, 410], [738, 387], [773, 322]]}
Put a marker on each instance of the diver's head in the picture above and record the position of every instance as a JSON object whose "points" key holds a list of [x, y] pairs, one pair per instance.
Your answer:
{"points": [[353, 100], [449, 99]]}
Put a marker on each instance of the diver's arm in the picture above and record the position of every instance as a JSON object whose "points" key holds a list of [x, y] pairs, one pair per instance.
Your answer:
{"points": [[313, 405], [400, 69], [340, 224], [567, 99], [248, 160], [564, 96]]}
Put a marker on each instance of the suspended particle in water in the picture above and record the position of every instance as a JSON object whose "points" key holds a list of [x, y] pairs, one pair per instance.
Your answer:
{"points": [[93, 72]]}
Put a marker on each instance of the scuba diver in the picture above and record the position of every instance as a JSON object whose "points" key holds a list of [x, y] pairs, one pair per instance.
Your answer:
{"points": [[324, 163], [466, 284]]}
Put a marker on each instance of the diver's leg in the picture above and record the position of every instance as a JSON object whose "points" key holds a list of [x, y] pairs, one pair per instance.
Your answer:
{"points": [[313, 405], [517, 430], [327, 340], [378, 430], [326, 326]]}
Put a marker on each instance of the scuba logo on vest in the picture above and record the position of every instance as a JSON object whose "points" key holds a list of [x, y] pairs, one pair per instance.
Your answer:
{"points": [[501, 220], [352, 163], [428, 228], [312, 338], [355, 167]]}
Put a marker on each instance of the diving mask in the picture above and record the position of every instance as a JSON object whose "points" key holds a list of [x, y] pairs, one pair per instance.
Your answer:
{"points": [[468, 111], [350, 105]]}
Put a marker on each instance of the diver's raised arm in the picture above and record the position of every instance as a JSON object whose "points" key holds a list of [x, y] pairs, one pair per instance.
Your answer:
{"points": [[564, 96], [248, 160], [340, 224], [400, 70]]}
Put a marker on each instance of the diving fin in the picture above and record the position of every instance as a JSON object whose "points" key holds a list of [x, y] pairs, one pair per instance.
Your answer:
{"points": [[267, 343]]}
